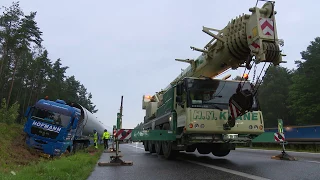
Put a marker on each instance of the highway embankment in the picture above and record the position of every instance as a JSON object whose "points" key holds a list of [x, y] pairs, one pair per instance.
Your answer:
{"points": [[19, 162], [13, 153]]}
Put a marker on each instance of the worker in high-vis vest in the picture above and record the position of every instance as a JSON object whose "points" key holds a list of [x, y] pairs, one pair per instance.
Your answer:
{"points": [[95, 139], [106, 137]]}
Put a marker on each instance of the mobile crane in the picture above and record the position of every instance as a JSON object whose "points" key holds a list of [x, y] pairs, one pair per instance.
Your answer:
{"points": [[211, 115]]}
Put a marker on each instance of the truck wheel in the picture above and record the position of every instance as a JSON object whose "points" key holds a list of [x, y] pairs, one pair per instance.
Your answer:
{"points": [[65, 154], [168, 152], [221, 153], [75, 147]]}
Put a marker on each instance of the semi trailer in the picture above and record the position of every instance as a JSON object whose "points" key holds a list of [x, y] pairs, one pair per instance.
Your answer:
{"points": [[57, 127]]}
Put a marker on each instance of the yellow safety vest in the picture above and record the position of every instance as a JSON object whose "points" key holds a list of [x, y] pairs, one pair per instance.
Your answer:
{"points": [[106, 135], [95, 136]]}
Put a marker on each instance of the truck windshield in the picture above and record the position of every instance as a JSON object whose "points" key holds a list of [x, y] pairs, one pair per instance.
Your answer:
{"points": [[213, 94], [50, 117]]}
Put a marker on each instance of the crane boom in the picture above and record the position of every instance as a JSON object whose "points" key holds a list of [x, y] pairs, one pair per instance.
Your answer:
{"points": [[234, 46]]}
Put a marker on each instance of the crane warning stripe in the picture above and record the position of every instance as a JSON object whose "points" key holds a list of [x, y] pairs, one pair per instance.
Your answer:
{"points": [[234, 111], [266, 25], [279, 137], [254, 45], [124, 134]]}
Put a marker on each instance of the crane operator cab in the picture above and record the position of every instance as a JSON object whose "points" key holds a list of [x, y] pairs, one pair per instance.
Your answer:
{"points": [[201, 97], [236, 96]]}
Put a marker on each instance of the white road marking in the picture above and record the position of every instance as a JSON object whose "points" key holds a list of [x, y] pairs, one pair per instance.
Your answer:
{"points": [[135, 146], [277, 151], [250, 176], [313, 162]]}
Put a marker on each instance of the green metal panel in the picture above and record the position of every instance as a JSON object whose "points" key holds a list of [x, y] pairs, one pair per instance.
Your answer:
{"points": [[264, 137], [153, 135], [167, 106], [119, 121]]}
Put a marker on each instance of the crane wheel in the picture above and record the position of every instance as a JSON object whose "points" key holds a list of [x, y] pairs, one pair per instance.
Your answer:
{"points": [[168, 152], [146, 146], [151, 146], [221, 153], [204, 148], [158, 144]]}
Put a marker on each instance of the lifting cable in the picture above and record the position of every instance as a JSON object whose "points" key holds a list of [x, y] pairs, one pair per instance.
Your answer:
{"points": [[240, 86]]}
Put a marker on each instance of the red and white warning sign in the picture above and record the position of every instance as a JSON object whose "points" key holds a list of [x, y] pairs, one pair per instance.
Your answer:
{"points": [[234, 109], [254, 45], [124, 134], [266, 25], [279, 137]]}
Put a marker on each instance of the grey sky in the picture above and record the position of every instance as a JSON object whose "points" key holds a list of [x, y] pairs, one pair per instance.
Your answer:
{"points": [[128, 47]]}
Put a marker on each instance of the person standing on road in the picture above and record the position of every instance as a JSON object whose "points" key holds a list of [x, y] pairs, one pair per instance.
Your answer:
{"points": [[106, 137], [95, 139]]}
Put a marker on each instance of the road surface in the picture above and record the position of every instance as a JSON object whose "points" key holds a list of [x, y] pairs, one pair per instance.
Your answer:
{"points": [[239, 164]]}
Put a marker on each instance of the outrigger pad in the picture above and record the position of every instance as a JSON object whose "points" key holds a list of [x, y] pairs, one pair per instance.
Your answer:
{"points": [[116, 161], [284, 156]]}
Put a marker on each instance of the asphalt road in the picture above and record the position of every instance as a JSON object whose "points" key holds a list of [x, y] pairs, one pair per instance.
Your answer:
{"points": [[239, 164]]}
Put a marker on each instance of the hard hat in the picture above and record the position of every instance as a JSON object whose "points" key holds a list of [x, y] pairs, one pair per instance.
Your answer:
{"points": [[105, 130]]}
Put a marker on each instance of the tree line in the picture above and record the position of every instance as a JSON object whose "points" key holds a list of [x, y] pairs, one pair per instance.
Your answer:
{"points": [[26, 72], [292, 95]]}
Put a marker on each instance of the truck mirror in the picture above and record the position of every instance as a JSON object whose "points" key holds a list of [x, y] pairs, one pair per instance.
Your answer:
{"points": [[179, 89], [75, 123], [26, 114], [178, 99]]}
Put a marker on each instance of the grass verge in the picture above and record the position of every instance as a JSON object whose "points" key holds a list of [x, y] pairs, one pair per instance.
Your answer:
{"points": [[78, 166], [13, 153]]}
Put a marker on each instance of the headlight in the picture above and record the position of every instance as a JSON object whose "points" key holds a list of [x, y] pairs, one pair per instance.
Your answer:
{"points": [[57, 150], [231, 136]]}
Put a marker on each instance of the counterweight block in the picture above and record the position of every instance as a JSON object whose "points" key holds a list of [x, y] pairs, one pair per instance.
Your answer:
{"points": [[284, 156]]}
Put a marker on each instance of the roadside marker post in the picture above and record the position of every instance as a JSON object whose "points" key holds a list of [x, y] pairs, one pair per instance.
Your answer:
{"points": [[116, 160], [280, 137], [112, 149]]}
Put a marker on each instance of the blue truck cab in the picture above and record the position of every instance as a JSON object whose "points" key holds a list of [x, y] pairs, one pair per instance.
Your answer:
{"points": [[53, 127]]}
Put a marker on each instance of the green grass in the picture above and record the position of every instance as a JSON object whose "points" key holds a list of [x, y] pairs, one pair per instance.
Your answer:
{"points": [[13, 153], [78, 166], [26, 164]]}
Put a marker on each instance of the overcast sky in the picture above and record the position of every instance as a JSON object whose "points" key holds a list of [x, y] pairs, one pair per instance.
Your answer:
{"points": [[128, 47]]}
